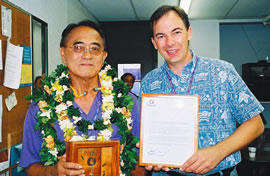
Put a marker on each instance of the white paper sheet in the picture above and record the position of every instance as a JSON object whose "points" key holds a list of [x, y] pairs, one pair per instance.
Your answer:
{"points": [[6, 21], [169, 129], [13, 66], [1, 117], [11, 101]]}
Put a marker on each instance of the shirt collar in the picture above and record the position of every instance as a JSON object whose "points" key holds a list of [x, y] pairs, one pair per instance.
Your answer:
{"points": [[190, 64]]}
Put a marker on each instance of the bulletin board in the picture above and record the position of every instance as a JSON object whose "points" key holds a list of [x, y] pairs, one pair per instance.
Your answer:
{"points": [[13, 120]]}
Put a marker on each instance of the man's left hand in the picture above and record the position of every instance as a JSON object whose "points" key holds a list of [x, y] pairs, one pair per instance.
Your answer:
{"points": [[203, 160]]}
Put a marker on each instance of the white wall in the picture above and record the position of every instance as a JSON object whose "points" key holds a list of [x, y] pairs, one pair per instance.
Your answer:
{"points": [[57, 14], [37, 49], [205, 39]]}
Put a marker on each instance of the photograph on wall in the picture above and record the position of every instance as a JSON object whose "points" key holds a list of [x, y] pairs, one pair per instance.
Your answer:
{"points": [[135, 70]]}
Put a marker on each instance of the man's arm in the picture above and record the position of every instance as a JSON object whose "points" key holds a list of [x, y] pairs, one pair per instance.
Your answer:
{"points": [[39, 169], [208, 158], [61, 168]]}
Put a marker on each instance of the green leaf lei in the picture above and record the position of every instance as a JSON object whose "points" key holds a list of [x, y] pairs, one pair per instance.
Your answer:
{"points": [[55, 103]]}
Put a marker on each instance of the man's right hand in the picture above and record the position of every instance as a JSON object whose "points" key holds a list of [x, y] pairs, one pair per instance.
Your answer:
{"points": [[68, 168], [62, 168]]}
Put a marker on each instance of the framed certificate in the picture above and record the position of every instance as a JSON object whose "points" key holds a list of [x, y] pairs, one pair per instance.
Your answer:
{"points": [[169, 129], [96, 157]]}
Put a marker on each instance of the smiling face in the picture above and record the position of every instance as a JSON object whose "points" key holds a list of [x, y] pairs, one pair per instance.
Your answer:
{"points": [[129, 81], [170, 38], [83, 65]]}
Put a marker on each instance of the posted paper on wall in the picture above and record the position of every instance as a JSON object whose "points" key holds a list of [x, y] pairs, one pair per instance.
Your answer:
{"points": [[6, 21], [11, 101], [13, 66]]}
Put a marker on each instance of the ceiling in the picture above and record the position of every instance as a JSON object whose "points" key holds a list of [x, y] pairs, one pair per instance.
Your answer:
{"points": [[133, 10]]}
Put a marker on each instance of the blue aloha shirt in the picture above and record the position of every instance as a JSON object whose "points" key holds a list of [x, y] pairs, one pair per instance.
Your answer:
{"points": [[224, 100]]}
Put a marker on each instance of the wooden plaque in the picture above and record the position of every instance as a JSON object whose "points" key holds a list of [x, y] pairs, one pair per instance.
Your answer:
{"points": [[99, 158]]}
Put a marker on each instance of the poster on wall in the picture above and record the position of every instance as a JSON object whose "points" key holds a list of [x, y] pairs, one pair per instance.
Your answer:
{"points": [[135, 70], [26, 73]]}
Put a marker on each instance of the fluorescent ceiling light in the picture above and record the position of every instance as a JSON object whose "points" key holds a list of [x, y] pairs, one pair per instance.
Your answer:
{"points": [[185, 4]]}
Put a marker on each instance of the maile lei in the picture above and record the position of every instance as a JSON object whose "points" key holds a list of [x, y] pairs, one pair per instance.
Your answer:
{"points": [[55, 104]]}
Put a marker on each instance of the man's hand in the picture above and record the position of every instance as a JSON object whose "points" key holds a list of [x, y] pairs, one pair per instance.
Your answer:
{"points": [[62, 168], [200, 162], [203, 160], [157, 168], [68, 168]]}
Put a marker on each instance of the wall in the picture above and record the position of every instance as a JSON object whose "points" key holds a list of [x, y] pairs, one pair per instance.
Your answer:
{"points": [[123, 47], [37, 48], [57, 14], [245, 43], [205, 38]]}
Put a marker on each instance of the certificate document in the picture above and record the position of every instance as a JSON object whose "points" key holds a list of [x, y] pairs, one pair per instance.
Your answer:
{"points": [[169, 129]]}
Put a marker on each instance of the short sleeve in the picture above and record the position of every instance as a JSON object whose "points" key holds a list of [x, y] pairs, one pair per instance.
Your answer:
{"points": [[135, 114], [32, 139], [243, 103]]}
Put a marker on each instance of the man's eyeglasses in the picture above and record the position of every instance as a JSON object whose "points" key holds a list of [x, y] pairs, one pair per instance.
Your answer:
{"points": [[81, 49]]}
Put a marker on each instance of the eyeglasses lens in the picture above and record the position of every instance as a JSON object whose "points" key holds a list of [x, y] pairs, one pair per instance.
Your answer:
{"points": [[94, 50]]}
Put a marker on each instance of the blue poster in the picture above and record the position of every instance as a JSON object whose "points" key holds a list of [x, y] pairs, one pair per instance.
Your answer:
{"points": [[27, 59]]}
